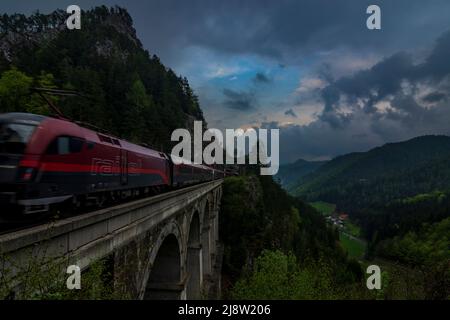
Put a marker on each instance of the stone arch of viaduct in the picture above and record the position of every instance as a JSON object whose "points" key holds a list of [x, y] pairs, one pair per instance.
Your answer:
{"points": [[177, 258]]}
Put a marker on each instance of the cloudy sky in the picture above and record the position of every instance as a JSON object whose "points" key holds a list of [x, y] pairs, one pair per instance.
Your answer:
{"points": [[308, 67]]}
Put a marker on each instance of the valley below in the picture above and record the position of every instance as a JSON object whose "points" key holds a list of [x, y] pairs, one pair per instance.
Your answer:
{"points": [[391, 207]]}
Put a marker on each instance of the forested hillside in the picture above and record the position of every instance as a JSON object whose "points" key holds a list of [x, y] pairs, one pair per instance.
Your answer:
{"points": [[427, 250], [399, 195], [381, 175], [278, 247], [126, 90], [290, 175]]}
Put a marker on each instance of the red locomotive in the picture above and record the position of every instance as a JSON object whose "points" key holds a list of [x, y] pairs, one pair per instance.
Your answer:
{"points": [[46, 161]]}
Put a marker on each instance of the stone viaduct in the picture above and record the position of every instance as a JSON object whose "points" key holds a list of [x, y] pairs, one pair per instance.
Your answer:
{"points": [[162, 247]]}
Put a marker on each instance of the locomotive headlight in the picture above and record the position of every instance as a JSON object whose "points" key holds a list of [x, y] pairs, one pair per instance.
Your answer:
{"points": [[26, 174]]}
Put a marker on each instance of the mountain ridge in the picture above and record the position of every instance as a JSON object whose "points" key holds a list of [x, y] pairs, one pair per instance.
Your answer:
{"points": [[290, 174], [391, 166]]}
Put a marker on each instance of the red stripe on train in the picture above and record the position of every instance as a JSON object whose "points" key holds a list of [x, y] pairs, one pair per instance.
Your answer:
{"points": [[96, 169], [29, 163]]}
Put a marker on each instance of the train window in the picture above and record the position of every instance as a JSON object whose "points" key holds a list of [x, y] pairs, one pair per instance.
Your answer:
{"points": [[116, 142], [65, 145], [90, 145], [14, 137], [75, 144], [105, 139]]}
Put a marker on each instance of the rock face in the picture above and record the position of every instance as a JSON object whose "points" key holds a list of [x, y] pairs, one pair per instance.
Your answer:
{"points": [[18, 30], [254, 191]]}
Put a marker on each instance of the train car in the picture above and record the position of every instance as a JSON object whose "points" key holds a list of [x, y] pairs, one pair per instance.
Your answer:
{"points": [[46, 161], [202, 173], [187, 173], [231, 170], [219, 171], [182, 172]]}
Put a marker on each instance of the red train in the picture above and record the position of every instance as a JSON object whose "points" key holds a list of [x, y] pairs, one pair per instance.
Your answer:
{"points": [[46, 161]]}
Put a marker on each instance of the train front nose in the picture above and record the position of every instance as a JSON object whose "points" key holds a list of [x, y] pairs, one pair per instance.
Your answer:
{"points": [[9, 165], [13, 142], [14, 137]]}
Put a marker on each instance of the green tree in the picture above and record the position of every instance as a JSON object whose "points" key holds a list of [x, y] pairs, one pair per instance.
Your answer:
{"points": [[16, 94], [279, 276], [14, 91], [138, 104], [36, 104]]}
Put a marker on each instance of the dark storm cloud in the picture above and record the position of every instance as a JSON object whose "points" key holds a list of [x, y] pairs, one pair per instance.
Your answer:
{"points": [[317, 141], [287, 29], [261, 78], [397, 81], [434, 97], [280, 29], [239, 100], [386, 79], [374, 84], [290, 113], [246, 100], [437, 64], [284, 28]]}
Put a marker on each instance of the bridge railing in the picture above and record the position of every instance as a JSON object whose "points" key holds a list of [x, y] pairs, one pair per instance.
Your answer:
{"points": [[95, 235]]}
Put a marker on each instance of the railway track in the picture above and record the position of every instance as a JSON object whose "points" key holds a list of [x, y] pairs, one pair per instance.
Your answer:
{"points": [[8, 226]]}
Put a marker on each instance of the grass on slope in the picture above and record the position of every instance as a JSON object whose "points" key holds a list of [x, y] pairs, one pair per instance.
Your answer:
{"points": [[355, 248], [324, 208], [352, 229]]}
